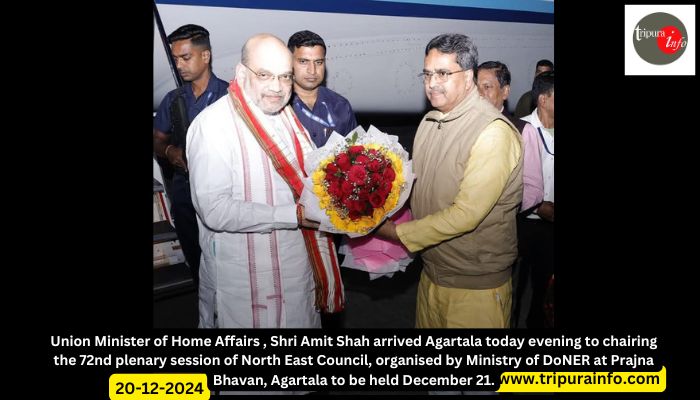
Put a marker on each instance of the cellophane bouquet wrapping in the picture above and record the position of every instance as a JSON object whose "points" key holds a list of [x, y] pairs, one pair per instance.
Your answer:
{"points": [[355, 182], [379, 257]]}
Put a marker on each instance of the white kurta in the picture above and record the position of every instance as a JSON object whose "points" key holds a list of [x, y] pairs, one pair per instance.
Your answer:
{"points": [[254, 272]]}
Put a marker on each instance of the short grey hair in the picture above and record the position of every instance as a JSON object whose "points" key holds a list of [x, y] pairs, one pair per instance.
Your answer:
{"points": [[462, 45]]}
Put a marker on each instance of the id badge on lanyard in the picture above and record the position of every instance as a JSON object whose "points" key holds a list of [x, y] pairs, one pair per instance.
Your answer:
{"points": [[328, 124]]}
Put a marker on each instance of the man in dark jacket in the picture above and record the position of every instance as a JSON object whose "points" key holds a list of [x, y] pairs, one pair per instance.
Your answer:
{"points": [[191, 50], [493, 82]]}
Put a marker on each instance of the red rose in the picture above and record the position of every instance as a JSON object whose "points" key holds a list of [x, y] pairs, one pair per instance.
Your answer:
{"points": [[332, 178], [361, 160], [384, 188], [331, 168], [376, 199], [346, 187], [354, 215], [389, 174], [374, 165], [374, 179], [358, 205], [355, 150], [352, 205], [334, 189], [373, 152], [363, 194], [343, 162], [357, 174]]}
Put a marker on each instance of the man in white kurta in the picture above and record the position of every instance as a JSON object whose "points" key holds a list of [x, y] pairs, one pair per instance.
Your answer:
{"points": [[255, 270]]}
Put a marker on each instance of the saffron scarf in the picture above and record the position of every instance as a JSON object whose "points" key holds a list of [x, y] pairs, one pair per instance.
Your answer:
{"points": [[330, 297]]}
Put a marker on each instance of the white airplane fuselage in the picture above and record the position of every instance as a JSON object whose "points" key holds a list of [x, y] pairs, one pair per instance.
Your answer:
{"points": [[372, 60]]}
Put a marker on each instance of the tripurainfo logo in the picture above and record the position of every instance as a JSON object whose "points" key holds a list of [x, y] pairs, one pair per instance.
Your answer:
{"points": [[660, 38]]}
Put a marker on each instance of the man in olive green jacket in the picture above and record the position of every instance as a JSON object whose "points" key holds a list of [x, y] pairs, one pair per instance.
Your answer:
{"points": [[467, 159]]}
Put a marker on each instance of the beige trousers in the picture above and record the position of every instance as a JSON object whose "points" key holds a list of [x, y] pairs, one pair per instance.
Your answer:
{"points": [[443, 307]]}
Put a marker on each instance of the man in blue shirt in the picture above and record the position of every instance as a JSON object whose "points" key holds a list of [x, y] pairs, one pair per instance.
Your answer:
{"points": [[191, 50], [319, 109]]}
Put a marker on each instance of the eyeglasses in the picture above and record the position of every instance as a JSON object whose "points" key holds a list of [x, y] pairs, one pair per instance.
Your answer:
{"points": [[441, 75], [266, 76]]}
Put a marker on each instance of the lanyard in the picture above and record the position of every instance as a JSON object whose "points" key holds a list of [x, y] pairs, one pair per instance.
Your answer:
{"points": [[329, 124], [544, 142]]}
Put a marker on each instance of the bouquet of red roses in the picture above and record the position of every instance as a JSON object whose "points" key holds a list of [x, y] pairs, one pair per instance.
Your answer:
{"points": [[354, 183]]}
